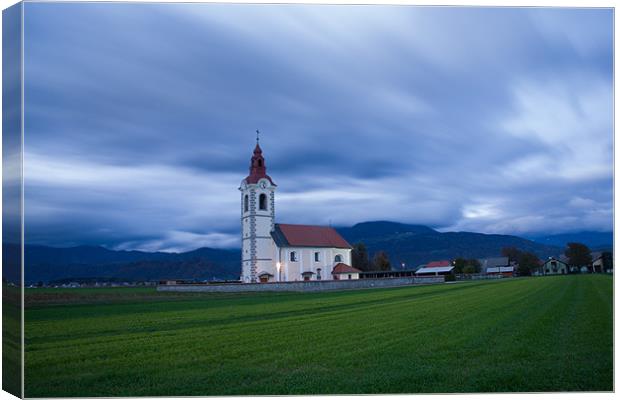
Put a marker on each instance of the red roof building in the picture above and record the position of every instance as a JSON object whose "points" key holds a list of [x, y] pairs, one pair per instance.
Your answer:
{"points": [[342, 268], [273, 252], [442, 263], [288, 235]]}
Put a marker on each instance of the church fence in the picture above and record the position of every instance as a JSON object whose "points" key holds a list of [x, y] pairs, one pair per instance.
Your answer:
{"points": [[302, 286]]}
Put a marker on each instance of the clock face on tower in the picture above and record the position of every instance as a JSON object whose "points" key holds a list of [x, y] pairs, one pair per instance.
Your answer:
{"points": [[263, 184]]}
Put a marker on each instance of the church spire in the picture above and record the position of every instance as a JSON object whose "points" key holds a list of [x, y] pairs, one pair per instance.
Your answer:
{"points": [[258, 169]]}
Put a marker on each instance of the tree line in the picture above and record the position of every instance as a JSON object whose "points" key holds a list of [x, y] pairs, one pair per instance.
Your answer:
{"points": [[360, 260]]}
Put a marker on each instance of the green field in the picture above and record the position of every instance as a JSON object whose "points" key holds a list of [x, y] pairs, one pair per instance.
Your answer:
{"points": [[529, 334]]}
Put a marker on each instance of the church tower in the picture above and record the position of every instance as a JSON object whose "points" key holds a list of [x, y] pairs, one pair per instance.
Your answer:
{"points": [[257, 221]]}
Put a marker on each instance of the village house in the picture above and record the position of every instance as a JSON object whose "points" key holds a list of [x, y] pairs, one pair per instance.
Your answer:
{"points": [[493, 265], [553, 266], [273, 252]]}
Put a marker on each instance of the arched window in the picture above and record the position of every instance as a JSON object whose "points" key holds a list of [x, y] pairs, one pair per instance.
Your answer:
{"points": [[262, 201], [338, 258], [260, 163], [246, 203], [293, 256]]}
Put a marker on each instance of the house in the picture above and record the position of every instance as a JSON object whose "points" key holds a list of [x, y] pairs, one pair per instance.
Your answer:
{"points": [[553, 266], [344, 271], [493, 262], [602, 261], [443, 267], [274, 252]]}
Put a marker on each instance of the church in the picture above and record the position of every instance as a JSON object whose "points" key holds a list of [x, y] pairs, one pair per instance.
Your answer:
{"points": [[272, 252]]}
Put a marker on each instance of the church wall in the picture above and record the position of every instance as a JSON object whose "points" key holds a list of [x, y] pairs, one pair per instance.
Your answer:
{"points": [[306, 286], [292, 270]]}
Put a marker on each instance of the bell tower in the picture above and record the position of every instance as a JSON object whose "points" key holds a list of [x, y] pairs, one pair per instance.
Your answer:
{"points": [[257, 220]]}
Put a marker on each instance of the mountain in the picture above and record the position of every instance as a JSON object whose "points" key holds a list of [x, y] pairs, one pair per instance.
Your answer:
{"points": [[381, 229], [46, 264], [404, 243], [417, 244], [594, 240]]}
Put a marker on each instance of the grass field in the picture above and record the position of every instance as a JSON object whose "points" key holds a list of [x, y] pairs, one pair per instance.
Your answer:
{"points": [[530, 334]]}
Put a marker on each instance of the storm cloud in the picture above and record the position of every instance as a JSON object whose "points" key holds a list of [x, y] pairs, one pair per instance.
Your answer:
{"points": [[140, 118]]}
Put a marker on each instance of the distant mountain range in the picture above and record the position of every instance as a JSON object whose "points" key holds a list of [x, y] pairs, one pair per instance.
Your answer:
{"points": [[409, 244], [47, 264], [418, 244], [594, 240]]}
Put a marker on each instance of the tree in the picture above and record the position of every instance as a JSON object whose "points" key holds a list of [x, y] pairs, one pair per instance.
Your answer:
{"points": [[381, 262], [528, 262], [578, 254], [472, 266], [359, 257], [459, 265], [608, 260], [512, 253], [466, 266]]}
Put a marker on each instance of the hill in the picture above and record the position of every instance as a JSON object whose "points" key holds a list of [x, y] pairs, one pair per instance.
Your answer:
{"points": [[404, 243], [52, 263], [417, 244]]}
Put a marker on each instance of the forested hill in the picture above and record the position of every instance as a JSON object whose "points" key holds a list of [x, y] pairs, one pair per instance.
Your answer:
{"points": [[418, 244], [47, 264]]}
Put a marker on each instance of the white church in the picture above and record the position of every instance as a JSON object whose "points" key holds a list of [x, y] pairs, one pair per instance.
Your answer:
{"points": [[273, 252]]}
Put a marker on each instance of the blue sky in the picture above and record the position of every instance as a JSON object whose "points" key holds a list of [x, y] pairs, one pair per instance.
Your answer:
{"points": [[140, 118]]}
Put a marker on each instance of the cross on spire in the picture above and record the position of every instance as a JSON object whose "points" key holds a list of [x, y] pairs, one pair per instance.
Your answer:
{"points": [[257, 133]]}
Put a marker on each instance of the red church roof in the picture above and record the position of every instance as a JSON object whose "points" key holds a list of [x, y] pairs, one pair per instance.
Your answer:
{"points": [[308, 236], [258, 169], [342, 268]]}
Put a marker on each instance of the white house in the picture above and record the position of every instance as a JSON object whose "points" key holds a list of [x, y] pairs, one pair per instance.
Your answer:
{"points": [[283, 252], [554, 266]]}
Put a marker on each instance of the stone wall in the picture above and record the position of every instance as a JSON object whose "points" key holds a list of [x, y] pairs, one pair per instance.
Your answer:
{"points": [[302, 286]]}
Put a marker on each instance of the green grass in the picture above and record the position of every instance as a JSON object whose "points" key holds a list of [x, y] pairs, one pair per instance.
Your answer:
{"points": [[530, 334], [11, 340]]}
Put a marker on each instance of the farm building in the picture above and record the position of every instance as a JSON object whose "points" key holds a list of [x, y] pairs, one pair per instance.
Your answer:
{"points": [[274, 252], [506, 271], [493, 262], [443, 267]]}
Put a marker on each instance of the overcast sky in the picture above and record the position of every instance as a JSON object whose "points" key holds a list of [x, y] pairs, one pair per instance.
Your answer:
{"points": [[140, 119]]}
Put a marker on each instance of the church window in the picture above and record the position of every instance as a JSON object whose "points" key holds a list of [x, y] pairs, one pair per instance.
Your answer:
{"points": [[246, 203], [338, 258], [293, 256], [262, 201], [317, 256], [260, 163], [349, 276]]}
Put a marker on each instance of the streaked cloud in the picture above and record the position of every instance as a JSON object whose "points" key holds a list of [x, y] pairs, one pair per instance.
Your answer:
{"points": [[140, 118]]}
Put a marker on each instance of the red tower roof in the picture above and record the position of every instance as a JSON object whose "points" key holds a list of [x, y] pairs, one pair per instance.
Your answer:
{"points": [[258, 170]]}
